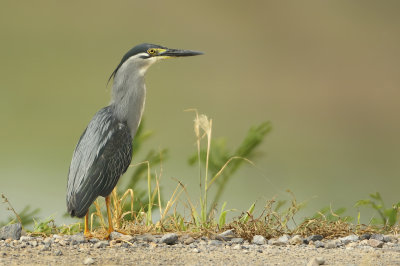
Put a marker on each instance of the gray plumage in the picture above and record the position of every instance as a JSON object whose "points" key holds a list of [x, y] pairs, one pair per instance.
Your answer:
{"points": [[102, 155], [104, 150]]}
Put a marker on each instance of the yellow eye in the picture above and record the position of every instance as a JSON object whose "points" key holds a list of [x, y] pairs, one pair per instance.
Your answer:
{"points": [[151, 51]]}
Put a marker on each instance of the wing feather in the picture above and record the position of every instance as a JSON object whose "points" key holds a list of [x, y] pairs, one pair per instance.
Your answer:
{"points": [[101, 156]]}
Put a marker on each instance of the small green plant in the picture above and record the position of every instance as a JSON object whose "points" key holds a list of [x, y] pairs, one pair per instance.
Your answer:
{"points": [[219, 161], [328, 214], [143, 196], [387, 216]]}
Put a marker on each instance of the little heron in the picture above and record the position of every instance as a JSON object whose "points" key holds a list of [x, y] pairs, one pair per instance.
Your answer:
{"points": [[104, 151]]}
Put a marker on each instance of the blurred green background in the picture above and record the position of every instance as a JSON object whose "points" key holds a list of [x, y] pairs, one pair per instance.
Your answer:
{"points": [[326, 73]]}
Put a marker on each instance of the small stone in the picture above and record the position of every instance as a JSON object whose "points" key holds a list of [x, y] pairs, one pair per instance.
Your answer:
{"points": [[348, 239], [365, 236], [55, 236], [388, 238], [188, 241], [214, 243], [283, 239], [237, 240], [58, 253], [48, 240], [195, 250], [258, 240], [379, 237], [115, 235], [375, 243], [147, 238], [227, 235], [118, 236], [12, 231], [33, 243], [25, 238], [44, 248], [93, 240], [80, 238], [315, 238], [237, 247], [296, 240], [101, 244], [88, 261], [63, 242], [352, 245], [276, 242], [319, 244], [169, 239], [316, 261], [330, 244]]}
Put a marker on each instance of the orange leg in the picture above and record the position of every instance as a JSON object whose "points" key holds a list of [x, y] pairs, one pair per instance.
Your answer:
{"points": [[87, 232], [110, 227]]}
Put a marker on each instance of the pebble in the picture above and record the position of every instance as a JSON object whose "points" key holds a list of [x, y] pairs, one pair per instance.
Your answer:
{"points": [[169, 239], [275, 242], [12, 231], [365, 236], [351, 245], [388, 238], [195, 250], [319, 244], [237, 247], [259, 240], [101, 244], [296, 240], [93, 240], [25, 238], [283, 239], [63, 242], [58, 253], [48, 240], [347, 239], [188, 241], [379, 237], [147, 238], [227, 235], [316, 261], [118, 236], [330, 244], [375, 243], [44, 248], [88, 260], [215, 242], [79, 238], [315, 238], [237, 240]]}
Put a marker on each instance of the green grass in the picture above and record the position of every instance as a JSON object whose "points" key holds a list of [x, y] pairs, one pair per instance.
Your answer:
{"points": [[133, 206]]}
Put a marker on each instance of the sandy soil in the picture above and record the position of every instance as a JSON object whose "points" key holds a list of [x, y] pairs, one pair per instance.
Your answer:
{"points": [[198, 254]]}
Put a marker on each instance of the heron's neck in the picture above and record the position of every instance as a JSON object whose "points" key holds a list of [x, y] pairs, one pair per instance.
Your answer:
{"points": [[128, 97]]}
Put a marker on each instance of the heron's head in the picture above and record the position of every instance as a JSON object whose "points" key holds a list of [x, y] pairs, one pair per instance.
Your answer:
{"points": [[141, 57]]}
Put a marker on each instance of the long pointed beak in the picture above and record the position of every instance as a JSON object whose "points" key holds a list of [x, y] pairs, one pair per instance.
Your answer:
{"points": [[179, 53]]}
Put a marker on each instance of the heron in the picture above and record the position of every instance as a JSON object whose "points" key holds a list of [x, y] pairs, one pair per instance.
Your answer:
{"points": [[104, 150]]}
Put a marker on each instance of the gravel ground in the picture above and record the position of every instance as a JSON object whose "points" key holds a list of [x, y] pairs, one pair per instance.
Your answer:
{"points": [[224, 249]]}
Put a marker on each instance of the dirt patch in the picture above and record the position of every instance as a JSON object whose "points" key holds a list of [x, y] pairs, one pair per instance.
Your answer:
{"points": [[151, 250]]}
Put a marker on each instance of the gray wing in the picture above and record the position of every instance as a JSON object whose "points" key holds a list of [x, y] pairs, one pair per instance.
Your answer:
{"points": [[101, 156]]}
